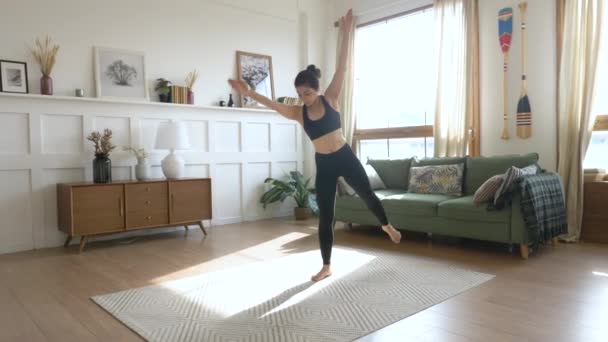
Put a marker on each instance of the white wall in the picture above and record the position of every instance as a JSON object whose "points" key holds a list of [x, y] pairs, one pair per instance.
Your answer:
{"points": [[42, 143], [177, 37], [42, 139], [541, 37], [541, 70]]}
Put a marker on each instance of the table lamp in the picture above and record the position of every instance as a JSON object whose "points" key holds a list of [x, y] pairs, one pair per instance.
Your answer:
{"points": [[172, 136]]}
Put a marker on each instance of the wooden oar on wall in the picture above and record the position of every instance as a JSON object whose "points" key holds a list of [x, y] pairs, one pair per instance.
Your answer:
{"points": [[524, 111], [505, 33]]}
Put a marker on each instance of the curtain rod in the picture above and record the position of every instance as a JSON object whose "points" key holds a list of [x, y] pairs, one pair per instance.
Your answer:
{"points": [[392, 16]]}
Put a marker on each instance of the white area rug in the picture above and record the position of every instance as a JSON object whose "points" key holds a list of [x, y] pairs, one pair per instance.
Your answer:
{"points": [[275, 300]]}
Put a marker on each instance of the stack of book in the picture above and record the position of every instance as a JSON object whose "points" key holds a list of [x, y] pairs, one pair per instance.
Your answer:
{"points": [[179, 94]]}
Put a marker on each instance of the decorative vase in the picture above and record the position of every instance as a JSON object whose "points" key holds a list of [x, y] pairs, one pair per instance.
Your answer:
{"points": [[302, 213], [230, 101], [142, 169], [190, 97], [46, 85], [102, 169]]}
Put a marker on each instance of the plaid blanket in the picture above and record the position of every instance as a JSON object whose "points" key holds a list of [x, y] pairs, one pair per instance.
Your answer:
{"points": [[543, 207]]}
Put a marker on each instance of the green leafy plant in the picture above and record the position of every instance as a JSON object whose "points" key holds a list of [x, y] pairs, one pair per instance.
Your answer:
{"points": [[293, 186], [163, 87]]}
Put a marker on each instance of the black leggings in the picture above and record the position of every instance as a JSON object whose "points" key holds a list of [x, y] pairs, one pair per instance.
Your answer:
{"points": [[329, 167]]}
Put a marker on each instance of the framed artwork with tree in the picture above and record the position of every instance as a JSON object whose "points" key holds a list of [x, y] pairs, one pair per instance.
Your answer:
{"points": [[256, 70], [120, 74]]}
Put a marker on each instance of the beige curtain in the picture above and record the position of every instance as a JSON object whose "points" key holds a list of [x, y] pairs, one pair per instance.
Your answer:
{"points": [[579, 57], [456, 45], [346, 101]]}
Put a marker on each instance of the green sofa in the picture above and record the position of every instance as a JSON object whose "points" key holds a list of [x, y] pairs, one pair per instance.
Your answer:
{"points": [[442, 214]]}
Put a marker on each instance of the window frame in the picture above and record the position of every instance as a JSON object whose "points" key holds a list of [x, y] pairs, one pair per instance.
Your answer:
{"points": [[424, 131], [601, 123]]}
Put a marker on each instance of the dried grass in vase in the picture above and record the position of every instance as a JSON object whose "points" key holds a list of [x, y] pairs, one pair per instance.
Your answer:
{"points": [[191, 79], [45, 55]]}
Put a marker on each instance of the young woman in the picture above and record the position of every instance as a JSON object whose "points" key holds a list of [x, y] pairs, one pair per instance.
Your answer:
{"points": [[334, 158]]}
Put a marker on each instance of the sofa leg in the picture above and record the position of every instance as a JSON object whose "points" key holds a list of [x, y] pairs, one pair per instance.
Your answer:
{"points": [[524, 250]]}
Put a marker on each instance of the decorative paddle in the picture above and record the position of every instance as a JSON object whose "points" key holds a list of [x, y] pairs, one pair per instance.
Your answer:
{"points": [[505, 30], [524, 112]]}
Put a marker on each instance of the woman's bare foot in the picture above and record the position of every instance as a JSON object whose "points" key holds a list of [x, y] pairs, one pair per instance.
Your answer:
{"points": [[393, 233], [324, 273]]}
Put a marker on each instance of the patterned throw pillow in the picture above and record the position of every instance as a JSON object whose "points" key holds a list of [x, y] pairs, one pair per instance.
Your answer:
{"points": [[488, 189], [511, 176], [439, 179]]}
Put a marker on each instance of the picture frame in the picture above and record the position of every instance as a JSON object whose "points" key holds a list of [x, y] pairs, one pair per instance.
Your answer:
{"points": [[13, 77], [120, 74], [256, 70]]}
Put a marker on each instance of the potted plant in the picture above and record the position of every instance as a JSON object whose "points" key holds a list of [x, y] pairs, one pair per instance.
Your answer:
{"points": [[102, 165], [298, 188], [163, 88], [142, 169]]}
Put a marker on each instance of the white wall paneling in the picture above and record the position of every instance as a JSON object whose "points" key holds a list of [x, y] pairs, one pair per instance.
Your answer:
{"points": [[16, 228], [43, 142]]}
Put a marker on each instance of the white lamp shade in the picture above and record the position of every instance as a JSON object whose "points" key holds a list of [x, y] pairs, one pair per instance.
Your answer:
{"points": [[172, 136]]}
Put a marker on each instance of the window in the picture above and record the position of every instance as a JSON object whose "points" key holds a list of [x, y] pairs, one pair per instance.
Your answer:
{"points": [[394, 87]]}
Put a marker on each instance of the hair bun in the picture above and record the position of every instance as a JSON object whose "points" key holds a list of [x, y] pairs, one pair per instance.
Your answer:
{"points": [[316, 71]]}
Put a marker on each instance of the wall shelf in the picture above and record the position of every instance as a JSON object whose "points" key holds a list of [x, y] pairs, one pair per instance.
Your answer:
{"points": [[131, 102]]}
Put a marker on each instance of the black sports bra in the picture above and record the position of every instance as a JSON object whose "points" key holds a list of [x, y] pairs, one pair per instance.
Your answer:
{"points": [[328, 123]]}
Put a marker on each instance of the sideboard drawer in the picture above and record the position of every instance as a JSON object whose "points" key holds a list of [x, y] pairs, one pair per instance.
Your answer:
{"points": [[147, 204]]}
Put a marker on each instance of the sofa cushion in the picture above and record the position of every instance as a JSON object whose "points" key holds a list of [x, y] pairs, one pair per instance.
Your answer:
{"points": [[480, 169], [511, 177], [354, 202], [463, 209], [437, 179], [439, 161], [487, 190], [395, 173], [374, 179], [414, 204]]}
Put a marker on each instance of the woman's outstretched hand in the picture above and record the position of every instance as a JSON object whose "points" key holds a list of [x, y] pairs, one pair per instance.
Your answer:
{"points": [[240, 86], [346, 22]]}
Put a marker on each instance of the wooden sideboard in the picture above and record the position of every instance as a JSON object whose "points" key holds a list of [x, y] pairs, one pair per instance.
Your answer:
{"points": [[86, 209], [595, 213]]}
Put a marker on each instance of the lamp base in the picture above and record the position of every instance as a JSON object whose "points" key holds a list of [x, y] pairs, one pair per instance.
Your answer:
{"points": [[173, 166]]}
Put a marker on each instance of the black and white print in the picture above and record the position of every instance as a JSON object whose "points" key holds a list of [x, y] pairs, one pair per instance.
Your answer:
{"points": [[120, 73], [13, 77], [256, 70]]}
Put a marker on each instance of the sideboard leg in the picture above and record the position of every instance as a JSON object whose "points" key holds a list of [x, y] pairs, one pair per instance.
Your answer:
{"points": [[202, 227], [83, 242], [67, 241]]}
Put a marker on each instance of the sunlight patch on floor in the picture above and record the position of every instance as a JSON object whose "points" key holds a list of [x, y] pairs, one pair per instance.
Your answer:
{"points": [[269, 286], [246, 255]]}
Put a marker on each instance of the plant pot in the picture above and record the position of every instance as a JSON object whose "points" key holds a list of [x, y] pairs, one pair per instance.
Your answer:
{"points": [[302, 213], [166, 98], [142, 169], [102, 169], [46, 85]]}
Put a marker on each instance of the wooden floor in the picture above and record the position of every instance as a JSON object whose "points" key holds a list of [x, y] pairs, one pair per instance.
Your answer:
{"points": [[559, 294]]}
